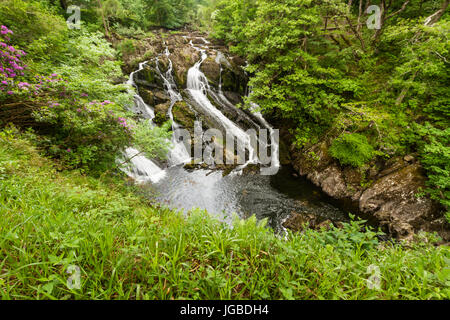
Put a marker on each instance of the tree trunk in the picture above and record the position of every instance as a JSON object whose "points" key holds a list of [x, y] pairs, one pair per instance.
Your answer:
{"points": [[105, 25]]}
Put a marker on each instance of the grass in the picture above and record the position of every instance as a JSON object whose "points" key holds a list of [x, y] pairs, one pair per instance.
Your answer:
{"points": [[125, 248]]}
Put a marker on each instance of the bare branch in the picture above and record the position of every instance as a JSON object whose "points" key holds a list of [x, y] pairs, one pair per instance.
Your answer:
{"points": [[437, 15], [398, 11]]}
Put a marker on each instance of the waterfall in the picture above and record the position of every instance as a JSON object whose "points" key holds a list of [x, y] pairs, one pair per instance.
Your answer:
{"points": [[198, 87], [140, 107], [178, 154], [274, 143], [142, 169], [139, 167]]}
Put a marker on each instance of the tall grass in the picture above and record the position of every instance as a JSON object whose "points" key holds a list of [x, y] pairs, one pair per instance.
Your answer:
{"points": [[128, 249]]}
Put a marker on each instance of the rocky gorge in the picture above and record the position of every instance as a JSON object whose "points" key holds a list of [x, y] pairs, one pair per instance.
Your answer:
{"points": [[386, 193]]}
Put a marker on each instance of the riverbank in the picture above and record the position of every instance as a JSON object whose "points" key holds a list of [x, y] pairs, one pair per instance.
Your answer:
{"points": [[126, 248]]}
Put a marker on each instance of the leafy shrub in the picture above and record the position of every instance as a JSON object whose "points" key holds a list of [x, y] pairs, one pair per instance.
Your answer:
{"points": [[435, 157], [126, 47], [86, 135], [77, 123], [352, 149]]}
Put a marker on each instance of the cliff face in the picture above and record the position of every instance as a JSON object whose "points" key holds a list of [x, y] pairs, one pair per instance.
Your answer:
{"points": [[388, 193]]}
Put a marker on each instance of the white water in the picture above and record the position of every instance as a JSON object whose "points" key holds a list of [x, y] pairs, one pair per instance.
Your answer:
{"points": [[184, 189], [139, 167], [142, 169], [178, 154], [198, 86], [275, 147]]}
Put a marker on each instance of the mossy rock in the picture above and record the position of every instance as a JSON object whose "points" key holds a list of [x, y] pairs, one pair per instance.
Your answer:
{"points": [[161, 113], [163, 63], [211, 70], [149, 77], [233, 81], [183, 115], [147, 96], [161, 97]]}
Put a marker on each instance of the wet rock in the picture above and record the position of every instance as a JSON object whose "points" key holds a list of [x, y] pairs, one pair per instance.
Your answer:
{"points": [[385, 193], [160, 97], [297, 221], [161, 113], [211, 70], [325, 225], [184, 116], [233, 97], [183, 58], [393, 201], [252, 169], [147, 96], [234, 81], [163, 63], [193, 165], [149, 77]]}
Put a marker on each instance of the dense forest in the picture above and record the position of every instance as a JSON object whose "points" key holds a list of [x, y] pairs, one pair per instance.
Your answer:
{"points": [[367, 78]]}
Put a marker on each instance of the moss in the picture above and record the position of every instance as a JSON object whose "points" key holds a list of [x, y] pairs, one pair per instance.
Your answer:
{"points": [[183, 115], [352, 149]]}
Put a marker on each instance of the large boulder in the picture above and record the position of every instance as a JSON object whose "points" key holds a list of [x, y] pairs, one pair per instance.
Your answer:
{"points": [[161, 111], [184, 116], [183, 58], [384, 193], [149, 77], [393, 200]]}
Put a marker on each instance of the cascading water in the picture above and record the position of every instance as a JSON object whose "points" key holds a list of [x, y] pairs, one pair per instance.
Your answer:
{"points": [[178, 154], [138, 166], [142, 169], [272, 196], [140, 107], [198, 86]]}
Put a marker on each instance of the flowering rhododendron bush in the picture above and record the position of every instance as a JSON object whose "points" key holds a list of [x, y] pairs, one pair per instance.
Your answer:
{"points": [[73, 125], [12, 66]]}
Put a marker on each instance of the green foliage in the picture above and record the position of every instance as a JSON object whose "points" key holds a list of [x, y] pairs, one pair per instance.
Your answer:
{"points": [[126, 47], [75, 126], [127, 250], [154, 142], [317, 65], [89, 135], [435, 155], [352, 149], [37, 29]]}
